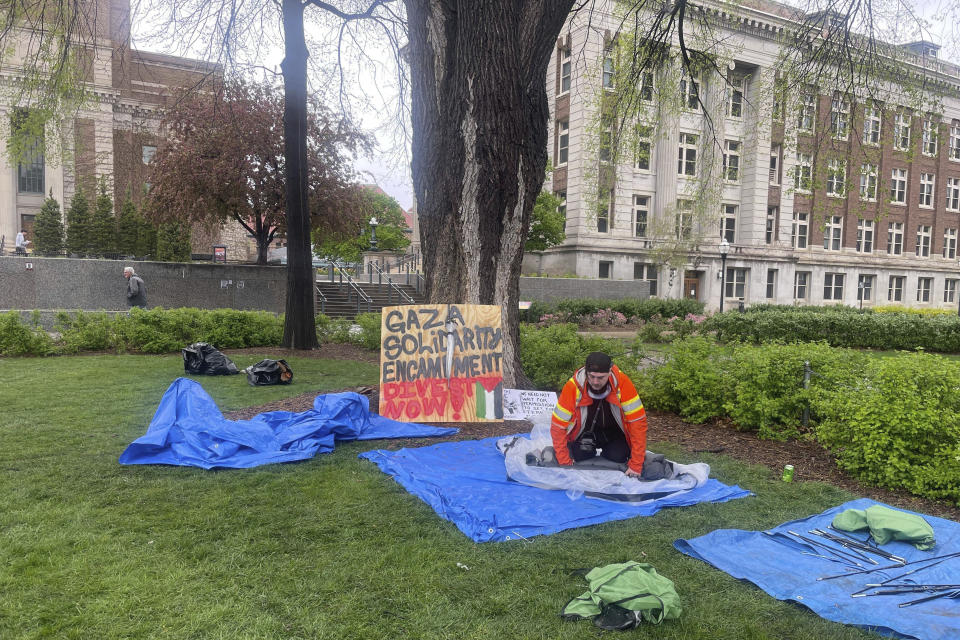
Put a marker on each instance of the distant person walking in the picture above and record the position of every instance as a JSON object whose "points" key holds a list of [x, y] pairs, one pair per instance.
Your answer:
{"points": [[21, 244], [136, 290]]}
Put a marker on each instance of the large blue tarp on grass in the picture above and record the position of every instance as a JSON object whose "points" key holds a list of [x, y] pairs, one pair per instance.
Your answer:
{"points": [[777, 565], [189, 430], [466, 483]]}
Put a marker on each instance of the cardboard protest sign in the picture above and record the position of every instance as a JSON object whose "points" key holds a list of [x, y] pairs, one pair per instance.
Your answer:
{"points": [[441, 363], [520, 404]]}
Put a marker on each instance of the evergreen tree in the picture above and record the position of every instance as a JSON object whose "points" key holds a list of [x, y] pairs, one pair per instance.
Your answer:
{"points": [[173, 242], [146, 238], [103, 227], [78, 224], [48, 229], [128, 229]]}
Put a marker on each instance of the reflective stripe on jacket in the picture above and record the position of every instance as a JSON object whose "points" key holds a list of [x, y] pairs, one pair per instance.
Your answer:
{"points": [[570, 413]]}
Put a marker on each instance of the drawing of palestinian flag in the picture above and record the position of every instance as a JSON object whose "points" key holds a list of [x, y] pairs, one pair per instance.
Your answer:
{"points": [[489, 394]]}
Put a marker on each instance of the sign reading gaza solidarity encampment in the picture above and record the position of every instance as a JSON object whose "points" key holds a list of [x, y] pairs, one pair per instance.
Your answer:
{"points": [[441, 363]]}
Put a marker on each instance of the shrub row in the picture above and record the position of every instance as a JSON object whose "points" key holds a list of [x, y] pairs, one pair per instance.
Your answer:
{"points": [[909, 331], [581, 311], [892, 422]]}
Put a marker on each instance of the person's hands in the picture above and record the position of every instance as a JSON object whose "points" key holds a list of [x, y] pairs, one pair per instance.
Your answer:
{"points": [[630, 473]]}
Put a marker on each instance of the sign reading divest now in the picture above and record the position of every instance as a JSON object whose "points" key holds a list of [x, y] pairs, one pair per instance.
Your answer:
{"points": [[441, 363]]}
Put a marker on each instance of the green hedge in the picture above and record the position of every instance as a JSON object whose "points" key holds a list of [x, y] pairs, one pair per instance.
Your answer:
{"points": [[840, 327], [577, 310]]}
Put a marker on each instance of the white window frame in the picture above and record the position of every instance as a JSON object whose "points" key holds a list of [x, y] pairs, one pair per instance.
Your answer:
{"points": [[924, 235], [563, 142], [728, 222], [801, 285], [690, 93], [772, 231], [953, 153], [644, 146], [950, 290], [950, 243], [895, 238], [683, 221], [901, 131], [641, 215], [731, 160], [647, 86], [775, 151], [869, 178], [687, 154], [924, 289], [803, 173], [606, 78], [898, 186], [833, 233], [736, 283], [872, 121], [953, 194], [865, 234], [840, 118], [735, 91], [807, 114], [800, 230], [895, 288], [865, 287], [928, 184], [566, 67], [833, 286], [837, 178], [930, 134], [771, 284]]}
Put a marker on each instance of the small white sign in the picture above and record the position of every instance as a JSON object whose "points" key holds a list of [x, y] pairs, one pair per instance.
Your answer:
{"points": [[520, 404], [29, 266]]}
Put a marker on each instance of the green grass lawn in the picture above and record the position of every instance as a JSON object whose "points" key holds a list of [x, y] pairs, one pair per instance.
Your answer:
{"points": [[327, 548]]}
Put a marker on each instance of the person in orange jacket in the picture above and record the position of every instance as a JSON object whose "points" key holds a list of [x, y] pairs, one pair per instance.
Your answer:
{"points": [[599, 410]]}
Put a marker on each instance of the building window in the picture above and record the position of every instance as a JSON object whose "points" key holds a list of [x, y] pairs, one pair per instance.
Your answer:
{"points": [[803, 173], [773, 224], [901, 132], [832, 233], [731, 161], [563, 141], [564, 70], [923, 241], [771, 284], [836, 178], [808, 108], [562, 207], [641, 211], [30, 174], [606, 269], [799, 234], [929, 144], [895, 289], [148, 151], [953, 194], [871, 125], [728, 223], [833, 286], [868, 182], [865, 288], [646, 87], [646, 272], [895, 238], [950, 244], [605, 217], [735, 96], [865, 236], [924, 285], [927, 183], [801, 284], [898, 186], [690, 93], [607, 72], [683, 223], [687, 155], [736, 283], [954, 151], [644, 147], [950, 290], [775, 164], [839, 118], [605, 152]]}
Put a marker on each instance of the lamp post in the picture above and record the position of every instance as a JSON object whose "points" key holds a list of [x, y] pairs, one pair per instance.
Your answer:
{"points": [[724, 249], [373, 233], [860, 293]]}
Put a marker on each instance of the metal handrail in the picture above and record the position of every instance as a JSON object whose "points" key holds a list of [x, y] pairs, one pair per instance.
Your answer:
{"points": [[401, 294], [352, 287], [391, 285], [322, 298]]}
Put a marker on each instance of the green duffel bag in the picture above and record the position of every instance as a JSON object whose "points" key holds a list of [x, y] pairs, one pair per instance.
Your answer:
{"points": [[621, 596]]}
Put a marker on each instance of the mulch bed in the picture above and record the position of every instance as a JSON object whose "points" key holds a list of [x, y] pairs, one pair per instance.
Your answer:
{"points": [[811, 462]]}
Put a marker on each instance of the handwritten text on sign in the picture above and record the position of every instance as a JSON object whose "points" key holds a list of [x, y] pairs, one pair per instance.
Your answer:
{"points": [[441, 363]]}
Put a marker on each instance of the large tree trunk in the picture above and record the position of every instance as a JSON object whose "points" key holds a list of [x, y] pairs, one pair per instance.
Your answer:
{"points": [[299, 330], [478, 73]]}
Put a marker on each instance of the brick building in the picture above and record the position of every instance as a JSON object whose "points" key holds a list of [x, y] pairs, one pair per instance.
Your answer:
{"points": [[112, 135], [829, 199]]}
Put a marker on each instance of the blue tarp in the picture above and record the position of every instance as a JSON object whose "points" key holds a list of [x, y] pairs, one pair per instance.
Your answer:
{"points": [[776, 565], [189, 430], [466, 483]]}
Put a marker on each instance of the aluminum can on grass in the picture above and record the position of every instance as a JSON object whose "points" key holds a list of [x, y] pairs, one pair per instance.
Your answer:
{"points": [[788, 473]]}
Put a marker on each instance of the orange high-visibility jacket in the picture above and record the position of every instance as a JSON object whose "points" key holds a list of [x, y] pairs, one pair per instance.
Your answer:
{"points": [[571, 412]]}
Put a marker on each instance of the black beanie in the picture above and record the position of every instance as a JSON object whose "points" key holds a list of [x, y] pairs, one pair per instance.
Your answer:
{"points": [[598, 362]]}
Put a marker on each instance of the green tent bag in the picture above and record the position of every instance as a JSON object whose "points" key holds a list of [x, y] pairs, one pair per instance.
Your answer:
{"points": [[887, 524], [621, 596]]}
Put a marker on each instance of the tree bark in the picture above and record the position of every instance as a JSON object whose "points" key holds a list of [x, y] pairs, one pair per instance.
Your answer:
{"points": [[480, 113], [299, 330]]}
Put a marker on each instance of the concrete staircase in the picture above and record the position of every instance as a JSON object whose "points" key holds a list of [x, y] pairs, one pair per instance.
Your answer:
{"points": [[341, 301]]}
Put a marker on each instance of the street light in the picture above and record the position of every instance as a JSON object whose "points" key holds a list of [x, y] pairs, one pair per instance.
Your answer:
{"points": [[860, 292], [724, 249], [373, 233]]}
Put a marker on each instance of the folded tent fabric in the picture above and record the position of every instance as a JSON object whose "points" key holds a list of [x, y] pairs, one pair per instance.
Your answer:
{"points": [[887, 524], [188, 429], [634, 586]]}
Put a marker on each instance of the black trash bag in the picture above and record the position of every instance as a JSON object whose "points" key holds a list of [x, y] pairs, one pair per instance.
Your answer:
{"points": [[203, 358], [267, 372]]}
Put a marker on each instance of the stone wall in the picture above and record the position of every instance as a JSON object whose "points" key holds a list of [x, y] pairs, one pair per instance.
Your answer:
{"points": [[547, 289], [67, 283]]}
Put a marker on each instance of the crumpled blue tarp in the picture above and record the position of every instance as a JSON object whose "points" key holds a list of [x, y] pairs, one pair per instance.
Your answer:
{"points": [[776, 565], [189, 430], [466, 483]]}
